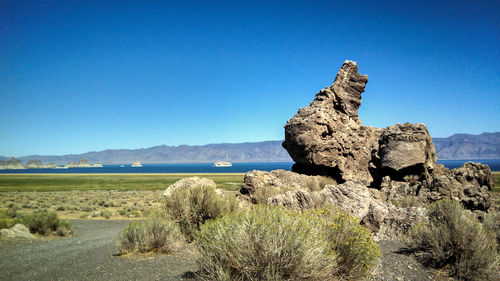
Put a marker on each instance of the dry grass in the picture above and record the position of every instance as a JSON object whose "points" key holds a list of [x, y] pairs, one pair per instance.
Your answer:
{"points": [[95, 196], [85, 204]]}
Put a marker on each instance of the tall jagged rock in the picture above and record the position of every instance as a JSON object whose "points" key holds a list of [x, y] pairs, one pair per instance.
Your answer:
{"points": [[327, 136]]}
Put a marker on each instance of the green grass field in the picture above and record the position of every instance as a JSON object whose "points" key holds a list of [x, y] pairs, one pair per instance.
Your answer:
{"points": [[120, 182], [497, 181]]}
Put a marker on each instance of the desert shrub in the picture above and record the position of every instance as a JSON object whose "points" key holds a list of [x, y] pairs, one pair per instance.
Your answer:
{"points": [[12, 211], [313, 184], [106, 214], [6, 221], [191, 207], [324, 181], [274, 243], [318, 183], [261, 194], [357, 252], [492, 222], [407, 201], [129, 212], [454, 237], [44, 222], [265, 243], [156, 233]]}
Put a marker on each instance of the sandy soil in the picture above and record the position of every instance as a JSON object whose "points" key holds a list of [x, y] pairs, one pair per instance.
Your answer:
{"points": [[88, 255]]}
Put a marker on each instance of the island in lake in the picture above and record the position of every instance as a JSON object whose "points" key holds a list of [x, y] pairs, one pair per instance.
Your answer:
{"points": [[16, 164]]}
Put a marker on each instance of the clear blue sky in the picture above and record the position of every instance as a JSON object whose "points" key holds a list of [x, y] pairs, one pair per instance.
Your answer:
{"points": [[78, 76]]}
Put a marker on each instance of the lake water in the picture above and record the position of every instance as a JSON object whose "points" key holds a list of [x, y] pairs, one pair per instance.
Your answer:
{"points": [[208, 168]]}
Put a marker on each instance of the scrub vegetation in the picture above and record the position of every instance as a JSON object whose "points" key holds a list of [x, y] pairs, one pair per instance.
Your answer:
{"points": [[156, 233], [455, 239], [40, 221]]}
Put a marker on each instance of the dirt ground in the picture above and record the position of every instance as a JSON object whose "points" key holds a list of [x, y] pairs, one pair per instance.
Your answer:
{"points": [[90, 255]]}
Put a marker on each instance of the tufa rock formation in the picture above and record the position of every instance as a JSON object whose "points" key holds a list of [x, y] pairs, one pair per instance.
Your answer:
{"points": [[12, 163], [17, 231], [187, 183], [406, 150], [299, 192], [372, 167], [327, 138]]}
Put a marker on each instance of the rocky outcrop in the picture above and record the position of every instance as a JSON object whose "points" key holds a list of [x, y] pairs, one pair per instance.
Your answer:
{"points": [[12, 163], [367, 204], [406, 150], [327, 136], [17, 231], [469, 184], [187, 183], [35, 164], [282, 180], [80, 164]]}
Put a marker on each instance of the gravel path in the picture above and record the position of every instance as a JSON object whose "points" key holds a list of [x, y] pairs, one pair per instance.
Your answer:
{"points": [[88, 255], [397, 266]]}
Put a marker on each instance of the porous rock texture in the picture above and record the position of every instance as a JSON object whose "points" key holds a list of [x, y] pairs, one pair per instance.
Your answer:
{"points": [[187, 183], [356, 199], [406, 150], [327, 136], [280, 179], [469, 184], [372, 167], [17, 231]]}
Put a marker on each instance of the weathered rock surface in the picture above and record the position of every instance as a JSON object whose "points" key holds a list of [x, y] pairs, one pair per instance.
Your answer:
{"points": [[397, 222], [406, 149], [367, 204], [469, 184], [281, 179], [17, 231], [187, 183], [327, 136]]}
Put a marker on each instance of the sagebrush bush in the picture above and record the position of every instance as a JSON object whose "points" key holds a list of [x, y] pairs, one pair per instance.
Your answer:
{"points": [[6, 221], [261, 194], [274, 243], [12, 211], [156, 233], [357, 253], [191, 207], [45, 223], [265, 243], [492, 222], [454, 237], [319, 182]]}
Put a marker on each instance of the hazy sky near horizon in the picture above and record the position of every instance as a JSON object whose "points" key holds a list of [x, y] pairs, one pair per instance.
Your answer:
{"points": [[79, 76]]}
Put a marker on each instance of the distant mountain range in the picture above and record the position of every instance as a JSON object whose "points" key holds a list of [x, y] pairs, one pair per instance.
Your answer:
{"points": [[267, 151], [458, 146], [465, 146]]}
